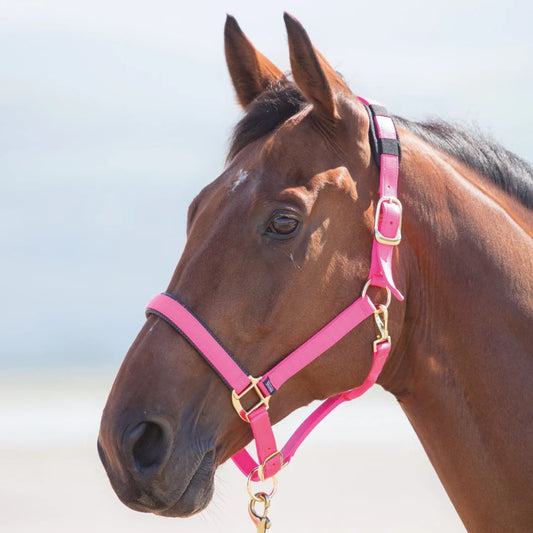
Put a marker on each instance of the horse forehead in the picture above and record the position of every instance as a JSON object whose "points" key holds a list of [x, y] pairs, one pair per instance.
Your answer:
{"points": [[286, 159], [247, 185]]}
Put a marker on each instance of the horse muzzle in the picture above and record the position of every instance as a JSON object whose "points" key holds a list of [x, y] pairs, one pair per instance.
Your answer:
{"points": [[151, 470]]}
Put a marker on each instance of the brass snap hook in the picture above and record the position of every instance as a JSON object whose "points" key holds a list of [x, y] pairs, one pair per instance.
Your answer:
{"points": [[260, 520], [381, 318]]}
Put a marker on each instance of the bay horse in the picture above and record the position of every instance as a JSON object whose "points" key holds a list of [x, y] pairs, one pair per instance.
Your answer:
{"points": [[280, 243]]}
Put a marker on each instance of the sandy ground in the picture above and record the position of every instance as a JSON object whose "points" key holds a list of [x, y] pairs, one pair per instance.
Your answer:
{"points": [[373, 478]]}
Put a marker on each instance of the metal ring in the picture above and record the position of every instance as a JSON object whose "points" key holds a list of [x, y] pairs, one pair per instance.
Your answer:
{"points": [[250, 491], [389, 294], [365, 288]]}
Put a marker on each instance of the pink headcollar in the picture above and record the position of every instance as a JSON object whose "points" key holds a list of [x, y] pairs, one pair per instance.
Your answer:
{"points": [[387, 235]]}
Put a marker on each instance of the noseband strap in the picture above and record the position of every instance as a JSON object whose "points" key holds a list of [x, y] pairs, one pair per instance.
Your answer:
{"points": [[387, 234]]}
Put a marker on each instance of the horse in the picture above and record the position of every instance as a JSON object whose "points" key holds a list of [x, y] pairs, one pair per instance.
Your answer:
{"points": [[280, 243]]}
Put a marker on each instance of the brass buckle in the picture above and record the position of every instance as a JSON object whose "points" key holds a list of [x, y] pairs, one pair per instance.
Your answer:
{"points": [[261, 468], [236, 399], [391, 241]]}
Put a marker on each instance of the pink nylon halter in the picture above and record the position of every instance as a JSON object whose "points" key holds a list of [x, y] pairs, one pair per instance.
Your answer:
{"points": [[387, 234]]}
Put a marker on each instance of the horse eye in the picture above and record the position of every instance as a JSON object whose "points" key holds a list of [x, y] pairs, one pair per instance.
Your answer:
{"points": [[282, 225]]}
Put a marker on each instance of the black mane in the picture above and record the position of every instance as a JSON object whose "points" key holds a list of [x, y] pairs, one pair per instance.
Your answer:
{"points": [[486, 156], [479, 152]]}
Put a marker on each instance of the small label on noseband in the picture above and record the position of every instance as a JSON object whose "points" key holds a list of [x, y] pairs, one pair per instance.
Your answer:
{"points": [[269, 387]]}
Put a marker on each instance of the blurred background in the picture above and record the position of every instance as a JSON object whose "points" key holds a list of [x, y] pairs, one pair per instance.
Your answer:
{"points": [[113, 115]]}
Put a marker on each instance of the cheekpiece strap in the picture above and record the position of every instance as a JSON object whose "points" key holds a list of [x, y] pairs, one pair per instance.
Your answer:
{"points": [[386, 151]]}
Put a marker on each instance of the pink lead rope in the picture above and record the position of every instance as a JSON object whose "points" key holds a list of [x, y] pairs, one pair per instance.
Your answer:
{"points": [[387, 234]]}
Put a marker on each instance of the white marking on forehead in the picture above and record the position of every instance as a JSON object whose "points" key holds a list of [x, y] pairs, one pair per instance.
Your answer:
{"points": [[241, 177]]}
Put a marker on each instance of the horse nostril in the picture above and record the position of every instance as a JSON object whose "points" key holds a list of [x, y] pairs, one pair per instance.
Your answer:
{"points": [[149, 445]]}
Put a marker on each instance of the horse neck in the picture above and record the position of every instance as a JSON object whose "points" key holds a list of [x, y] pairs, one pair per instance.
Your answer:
{"points": [[464, 364]]}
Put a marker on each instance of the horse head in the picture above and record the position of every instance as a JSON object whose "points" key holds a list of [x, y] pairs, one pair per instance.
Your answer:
{"points": [[276, 247]]}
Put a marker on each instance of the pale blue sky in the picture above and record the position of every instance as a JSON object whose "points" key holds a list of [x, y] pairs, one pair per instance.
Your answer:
{"points": [[115, 114]]}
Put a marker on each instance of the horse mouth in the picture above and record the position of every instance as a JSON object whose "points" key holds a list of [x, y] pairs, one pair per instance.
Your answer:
{"points": [[171, 492], [197, 493]]}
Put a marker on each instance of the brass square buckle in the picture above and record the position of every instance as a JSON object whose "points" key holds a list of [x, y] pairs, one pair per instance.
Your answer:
{"points": [[236, 399], [391, 241]]}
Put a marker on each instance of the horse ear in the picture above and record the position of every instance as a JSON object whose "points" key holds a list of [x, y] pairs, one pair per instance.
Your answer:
{"points": [[313, 75], [250, 71]]}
